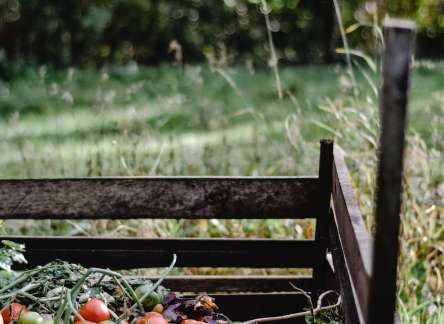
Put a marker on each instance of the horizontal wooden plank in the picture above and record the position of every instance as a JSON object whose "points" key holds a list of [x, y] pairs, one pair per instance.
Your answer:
{"points": [[243, 307], [159, 197], [354, 239], [235, 284], [148, 253]]}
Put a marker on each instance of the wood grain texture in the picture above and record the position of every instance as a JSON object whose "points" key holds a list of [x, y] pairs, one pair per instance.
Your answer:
{"points": [[173, 197], [399, 38], [235, 284], [354, 239], [147, 253], [349, 299], [322, 221]]}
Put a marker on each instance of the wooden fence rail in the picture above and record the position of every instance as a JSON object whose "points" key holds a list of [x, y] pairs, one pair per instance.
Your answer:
{"points": [[160, 197]]}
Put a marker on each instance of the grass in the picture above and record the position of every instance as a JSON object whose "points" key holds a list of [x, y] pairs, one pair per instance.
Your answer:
{"points": [[202, 120]]}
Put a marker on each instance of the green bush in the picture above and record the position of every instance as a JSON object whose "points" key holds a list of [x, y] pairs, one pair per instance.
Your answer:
{"points": [[77, 32]]}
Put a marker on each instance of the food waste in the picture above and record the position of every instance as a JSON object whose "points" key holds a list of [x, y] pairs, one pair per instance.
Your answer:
{"points": [[62, 292]]}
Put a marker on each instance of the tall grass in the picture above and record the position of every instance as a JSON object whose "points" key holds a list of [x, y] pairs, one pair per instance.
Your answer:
{"points": [[222, 120], [421, 264]]}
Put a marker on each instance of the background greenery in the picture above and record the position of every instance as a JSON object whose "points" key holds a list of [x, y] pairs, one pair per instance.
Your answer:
{"points": [[76, 100], [213, 120], [98, 31]]}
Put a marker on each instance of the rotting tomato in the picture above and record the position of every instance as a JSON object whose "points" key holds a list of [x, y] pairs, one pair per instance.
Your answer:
{"points": [[141, 321], [154, 318], [30, 318], [13, 312], [95, 311], [152, 314]]}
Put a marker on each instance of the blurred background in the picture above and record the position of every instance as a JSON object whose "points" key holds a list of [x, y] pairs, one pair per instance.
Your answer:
{"points": [[111, 31], [233, 87]]}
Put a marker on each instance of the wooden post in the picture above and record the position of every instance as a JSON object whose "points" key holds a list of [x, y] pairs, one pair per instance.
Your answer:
{"points": [[399, 38], [322, 219]]}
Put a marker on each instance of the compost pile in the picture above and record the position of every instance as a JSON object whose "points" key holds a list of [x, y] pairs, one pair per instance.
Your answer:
{"points": [[64, 292]]}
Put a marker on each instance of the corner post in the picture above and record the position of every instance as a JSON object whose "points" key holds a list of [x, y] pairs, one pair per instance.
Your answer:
{"points": [[399, 38], [323, 215]]}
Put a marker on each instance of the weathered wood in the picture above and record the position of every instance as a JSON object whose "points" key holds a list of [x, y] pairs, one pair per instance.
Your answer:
{"points": [[399, 38], [235, 284], [349, 300], [174, 197], [322, 220], [353, 236], [147, 253]]}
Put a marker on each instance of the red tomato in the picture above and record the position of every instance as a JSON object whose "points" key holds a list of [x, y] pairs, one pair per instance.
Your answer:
{"points": [[152, 314], [80, 322], [95, 311], [191, 321], [141, 321], [154, 318], [1, 319], [12, 312]]}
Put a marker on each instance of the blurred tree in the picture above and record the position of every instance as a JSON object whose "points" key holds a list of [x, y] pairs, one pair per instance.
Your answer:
{"points": [[98, 31]]}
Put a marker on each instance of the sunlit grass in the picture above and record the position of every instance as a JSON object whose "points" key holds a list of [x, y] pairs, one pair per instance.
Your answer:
{"points": [[194, 121]]}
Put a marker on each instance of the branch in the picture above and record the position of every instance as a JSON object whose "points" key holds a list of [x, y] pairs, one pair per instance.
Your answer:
{"points": [[319, 308]]}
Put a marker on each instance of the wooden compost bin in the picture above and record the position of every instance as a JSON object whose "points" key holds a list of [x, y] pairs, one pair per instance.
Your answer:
{"points": [[328, 198]]}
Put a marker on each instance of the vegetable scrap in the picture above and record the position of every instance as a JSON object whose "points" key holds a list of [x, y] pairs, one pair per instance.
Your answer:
{"points": [[62, 292]]}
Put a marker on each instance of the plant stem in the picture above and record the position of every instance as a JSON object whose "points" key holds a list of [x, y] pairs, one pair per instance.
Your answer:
{"points": [[314, 311], [274, 62], [346, 47], [23, 277], [162, 278]]}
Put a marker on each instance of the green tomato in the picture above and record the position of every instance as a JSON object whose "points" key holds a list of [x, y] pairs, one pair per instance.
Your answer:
{"points": [[151, 300], [30, 318]]}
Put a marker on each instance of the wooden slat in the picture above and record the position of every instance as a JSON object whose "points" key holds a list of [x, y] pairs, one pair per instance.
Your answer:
{"points": [[242, 307], [323, 219], [235, 284], [353, 236], [170, 197], [349, 305], [147, 253], [399, 36]]}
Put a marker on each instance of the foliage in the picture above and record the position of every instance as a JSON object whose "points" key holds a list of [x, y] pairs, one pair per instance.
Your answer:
{"points": [[59, 288], [10, 253], [226, 120], [78, 32]]}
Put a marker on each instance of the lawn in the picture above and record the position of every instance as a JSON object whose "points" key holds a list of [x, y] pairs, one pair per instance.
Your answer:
{"points": [[208, 120]]}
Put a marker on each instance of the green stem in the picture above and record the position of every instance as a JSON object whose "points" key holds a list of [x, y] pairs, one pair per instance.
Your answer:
{"points": [[161, 279], [24, 289], [61, 310], [23, 277], [75, 290], [73, 309], [131, 294], [346, 47]]}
